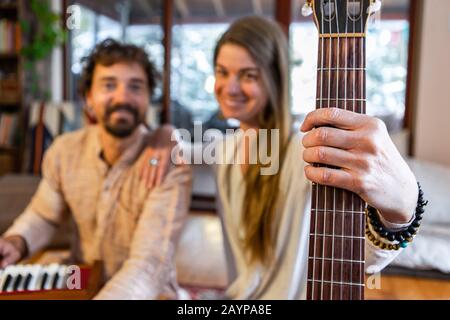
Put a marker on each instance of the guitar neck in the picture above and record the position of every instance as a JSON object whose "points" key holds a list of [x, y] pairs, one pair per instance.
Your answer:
{"points": [[341, 74], [336, 241]]}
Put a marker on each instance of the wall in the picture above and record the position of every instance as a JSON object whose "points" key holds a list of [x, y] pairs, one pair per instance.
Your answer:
{"points": [[432, 122]]}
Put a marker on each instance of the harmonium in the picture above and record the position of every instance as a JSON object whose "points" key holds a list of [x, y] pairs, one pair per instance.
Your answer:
{"points": [[50, 282]]}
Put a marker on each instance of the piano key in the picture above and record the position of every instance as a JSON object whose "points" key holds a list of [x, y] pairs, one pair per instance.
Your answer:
{"points": [[43, 279], [62, 277], [17, 281], [52, 270], [34, 273], [7, 280], [37, 273], [9, 287], [25, 272], [27, 282], [1, 279], [4, 278]]}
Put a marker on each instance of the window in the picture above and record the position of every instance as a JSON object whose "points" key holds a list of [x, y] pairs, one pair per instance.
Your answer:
{"points": [[387, 59], [198, 24], [137, 22]]}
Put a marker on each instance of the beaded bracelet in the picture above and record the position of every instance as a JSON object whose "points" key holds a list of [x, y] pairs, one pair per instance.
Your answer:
{"points": [[380, 243], [402, 237]]}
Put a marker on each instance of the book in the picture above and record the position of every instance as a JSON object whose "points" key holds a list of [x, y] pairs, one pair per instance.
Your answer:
{"points": [[8, 126], [10, 36]]}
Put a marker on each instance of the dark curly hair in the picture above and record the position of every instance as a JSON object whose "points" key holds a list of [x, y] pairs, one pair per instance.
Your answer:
{"points": [[109, 52]]}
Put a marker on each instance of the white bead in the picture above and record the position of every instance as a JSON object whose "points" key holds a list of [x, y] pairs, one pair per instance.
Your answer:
{"points": [[306, 10], [374, 7]]}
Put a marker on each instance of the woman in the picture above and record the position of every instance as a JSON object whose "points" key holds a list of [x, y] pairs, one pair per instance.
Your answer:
{"points": [[266, 216]]}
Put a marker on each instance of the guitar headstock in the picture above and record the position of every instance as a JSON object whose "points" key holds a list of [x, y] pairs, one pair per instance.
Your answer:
{"points": [[341, 17]]}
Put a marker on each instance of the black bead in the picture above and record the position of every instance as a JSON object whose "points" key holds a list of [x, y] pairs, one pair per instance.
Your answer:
{"points": [[376, 226], [406, 234], [399, 238], [418, 218], [420, 210], [412, 230], [415, 224], [384, 233], [391, 237]]}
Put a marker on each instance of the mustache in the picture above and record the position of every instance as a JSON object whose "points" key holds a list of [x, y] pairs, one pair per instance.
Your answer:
{"points": [[119, 107]]}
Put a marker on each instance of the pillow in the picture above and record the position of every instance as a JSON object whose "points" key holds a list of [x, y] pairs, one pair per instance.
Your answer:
{"points": [[200, 258], [430, 250]]}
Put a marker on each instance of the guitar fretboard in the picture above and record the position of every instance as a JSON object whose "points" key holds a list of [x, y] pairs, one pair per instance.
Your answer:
{"points": [[336, 247]]}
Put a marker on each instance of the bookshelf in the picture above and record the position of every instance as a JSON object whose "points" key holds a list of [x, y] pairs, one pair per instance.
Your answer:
{"points": [[11, 78]]}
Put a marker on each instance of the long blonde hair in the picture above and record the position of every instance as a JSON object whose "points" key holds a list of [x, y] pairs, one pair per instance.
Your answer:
{"points": [[266, 43]]}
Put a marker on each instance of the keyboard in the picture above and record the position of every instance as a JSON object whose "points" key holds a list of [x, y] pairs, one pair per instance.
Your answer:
{"points": [[53, 281]]}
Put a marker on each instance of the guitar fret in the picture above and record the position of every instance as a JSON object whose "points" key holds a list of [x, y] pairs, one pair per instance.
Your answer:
{"points": [[338, 211], [341, 99], [335, 236], [341, 69], [338, 237], [337, 260], [339, 283]]}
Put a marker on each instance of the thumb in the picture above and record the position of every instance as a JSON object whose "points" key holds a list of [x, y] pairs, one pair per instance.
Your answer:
{"points": [[9, 255]]}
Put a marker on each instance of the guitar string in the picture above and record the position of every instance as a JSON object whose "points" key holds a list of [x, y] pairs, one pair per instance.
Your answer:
{"points": [[313, 287], [331, 11], [342, 191], [354, 110], [361, 204], [324, 218], [334, 189]]}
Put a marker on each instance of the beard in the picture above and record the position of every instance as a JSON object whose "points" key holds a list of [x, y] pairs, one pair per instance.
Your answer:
{"points": [[121, 128]]}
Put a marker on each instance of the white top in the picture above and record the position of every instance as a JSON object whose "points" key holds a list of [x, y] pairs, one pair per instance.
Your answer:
{"points": [[286, 276]]}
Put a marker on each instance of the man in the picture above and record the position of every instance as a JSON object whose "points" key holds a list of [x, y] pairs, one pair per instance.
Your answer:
{"points": [[94, 174]]}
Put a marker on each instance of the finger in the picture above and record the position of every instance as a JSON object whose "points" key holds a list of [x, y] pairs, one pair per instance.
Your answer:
{"points": [[339, 178], [10, 258], [162, 169], [147, 168], [151, 177], [329, 156], [331, 137], [146, 172], [144, 167], [9, 255], [335, 117], [3, 247]]}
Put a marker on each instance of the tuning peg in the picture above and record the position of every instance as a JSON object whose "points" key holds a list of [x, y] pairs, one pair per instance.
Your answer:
{"points": [[307, 9], [375, 6]]}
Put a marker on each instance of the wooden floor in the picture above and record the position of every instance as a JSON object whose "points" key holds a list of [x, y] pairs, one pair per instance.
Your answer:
{"points": [[408, 288], [386, 287]]}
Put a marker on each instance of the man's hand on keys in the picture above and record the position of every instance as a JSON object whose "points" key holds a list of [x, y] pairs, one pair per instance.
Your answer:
{"points": [[12, 249]]}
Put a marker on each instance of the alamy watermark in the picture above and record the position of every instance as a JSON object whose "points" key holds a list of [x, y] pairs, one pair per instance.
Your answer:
{"points": [[214, 147], [73, 21]]}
